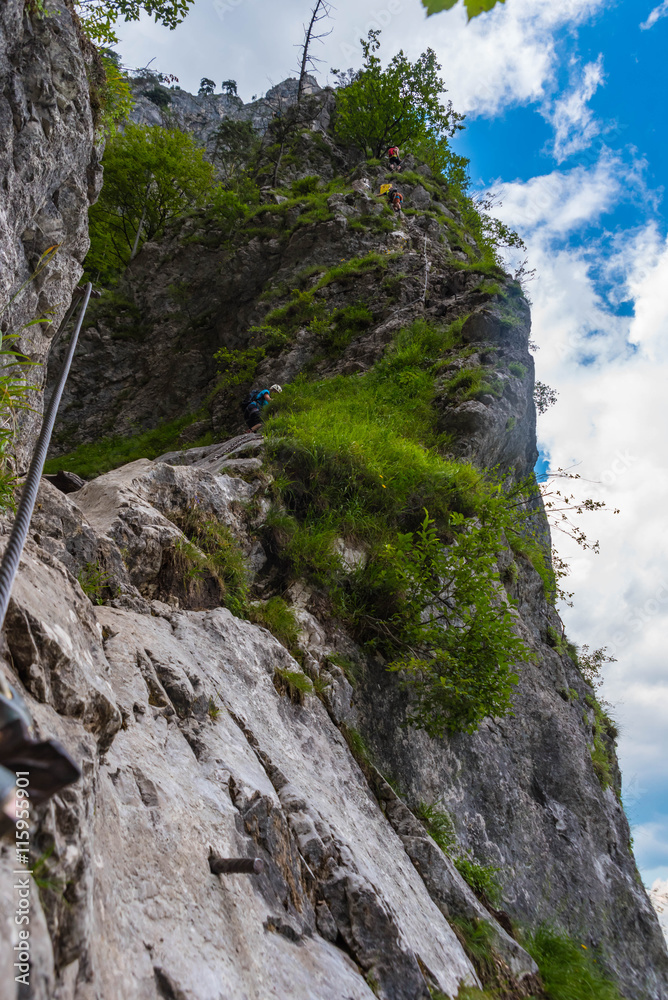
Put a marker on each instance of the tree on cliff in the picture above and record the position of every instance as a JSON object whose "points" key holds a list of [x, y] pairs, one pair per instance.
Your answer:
{"points": [[394, 106], [151, 175]]}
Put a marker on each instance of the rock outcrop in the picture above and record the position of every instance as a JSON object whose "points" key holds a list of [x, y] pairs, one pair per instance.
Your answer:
{"points": [[201, 733], [49, 164]]}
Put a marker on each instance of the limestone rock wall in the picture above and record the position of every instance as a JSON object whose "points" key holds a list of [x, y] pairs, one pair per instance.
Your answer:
{"points": [[187, 746], [50, 173]]}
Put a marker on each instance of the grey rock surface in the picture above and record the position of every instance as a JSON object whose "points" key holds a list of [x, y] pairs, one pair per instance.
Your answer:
{"points": [[165, 781], [49, 164]]}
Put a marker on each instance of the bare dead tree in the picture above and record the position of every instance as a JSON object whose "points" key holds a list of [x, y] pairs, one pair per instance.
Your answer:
{"points": [[321, 12]]}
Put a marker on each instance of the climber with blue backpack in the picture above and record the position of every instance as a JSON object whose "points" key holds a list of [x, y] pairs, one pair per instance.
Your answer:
{"points": [[253, 405]]}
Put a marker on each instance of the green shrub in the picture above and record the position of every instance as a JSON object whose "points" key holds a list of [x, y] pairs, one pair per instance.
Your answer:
{"points": [[517, 369], [212, 550], [306, 185], [292, 683], [439, 826], [360, 460], [279, 618], [94, 582], [471, 383], [568, 969], [481, 878], [238, 367], [531, 550]]}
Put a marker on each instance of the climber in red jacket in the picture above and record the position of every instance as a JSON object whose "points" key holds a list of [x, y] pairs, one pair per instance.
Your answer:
{"points": [[393, 155]]}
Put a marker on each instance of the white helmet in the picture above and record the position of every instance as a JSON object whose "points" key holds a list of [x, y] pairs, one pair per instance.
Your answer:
{"points": [[275, 388]]}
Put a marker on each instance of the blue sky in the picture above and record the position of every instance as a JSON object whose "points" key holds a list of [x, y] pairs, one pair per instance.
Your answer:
{"points": [[566, 105]]}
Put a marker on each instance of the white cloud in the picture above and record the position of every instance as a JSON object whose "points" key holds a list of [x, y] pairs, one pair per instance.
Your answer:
{"points": [[573, 120], [656, 14], [509, 56], [611, 419]]}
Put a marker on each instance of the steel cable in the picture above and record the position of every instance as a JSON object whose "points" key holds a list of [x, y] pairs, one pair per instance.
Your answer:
{"points": [[19, 532]]}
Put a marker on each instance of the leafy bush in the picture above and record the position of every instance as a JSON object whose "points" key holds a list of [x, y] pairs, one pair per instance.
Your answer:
{"points": [[279, 618], [151, 176], [238, 367], [568, 969], [359, 459], [459, 637], [305, 185]]}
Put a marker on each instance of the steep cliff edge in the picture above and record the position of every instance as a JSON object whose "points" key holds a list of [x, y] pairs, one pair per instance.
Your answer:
{"points": [[195, 629], [50, 172]]}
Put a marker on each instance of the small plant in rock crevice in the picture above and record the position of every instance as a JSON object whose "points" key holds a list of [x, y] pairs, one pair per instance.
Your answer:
{"points": [[481, 878], [292, 683], [94, 582]]}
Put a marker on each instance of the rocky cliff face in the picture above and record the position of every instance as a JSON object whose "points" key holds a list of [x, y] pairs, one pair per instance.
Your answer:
{"points": [[50, 174], [200, 114], [200, 733]]}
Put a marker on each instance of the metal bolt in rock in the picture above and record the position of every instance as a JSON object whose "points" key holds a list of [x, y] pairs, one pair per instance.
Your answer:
{"points": [[236, 866]]}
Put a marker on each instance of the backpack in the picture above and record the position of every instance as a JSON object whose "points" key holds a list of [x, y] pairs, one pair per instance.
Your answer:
{"points": [[250, 398]]}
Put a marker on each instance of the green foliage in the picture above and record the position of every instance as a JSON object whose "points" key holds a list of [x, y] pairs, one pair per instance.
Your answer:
{"points": [[292, 683], [90, 460], [94, 582], [473, 7], [151, 176], [526, 546], [14, 386], [458, 635], [360, 460], [517, 369], [43, 877], [592, 663], [477, 937], [357, 744], [473, 382], [306, 185], [439, 826], [213, 710], [238, 367], [544, 396], [99, 17], [213, 551], [568, 969], [481, 878], [279, 618], [396, 105], [234, 144], [604, 733], [116, 100]]}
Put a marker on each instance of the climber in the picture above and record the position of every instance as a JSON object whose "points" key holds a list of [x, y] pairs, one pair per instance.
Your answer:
{"points": [[253, 405], [395, 162], [395, 199], [31, 770]]}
